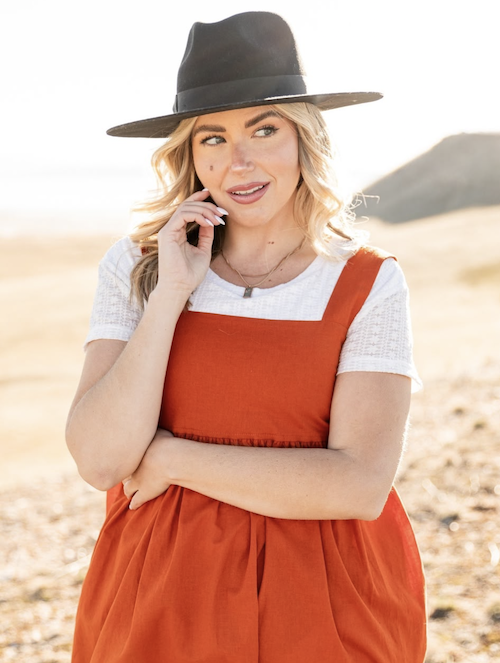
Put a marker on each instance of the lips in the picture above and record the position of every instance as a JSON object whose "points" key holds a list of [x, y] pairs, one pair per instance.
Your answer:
{"points": [[248, 193]]}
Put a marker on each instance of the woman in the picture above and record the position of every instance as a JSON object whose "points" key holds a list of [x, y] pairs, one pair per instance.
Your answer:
{"points": [[257, 519]]}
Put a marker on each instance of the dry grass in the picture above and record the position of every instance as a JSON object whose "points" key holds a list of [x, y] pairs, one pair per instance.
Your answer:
{"points": [[449, 479]]}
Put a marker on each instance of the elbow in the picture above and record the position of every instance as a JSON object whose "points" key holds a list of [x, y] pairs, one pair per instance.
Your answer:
{"points": [[91, 469], [373, 502], [365, 511], [95, 475], [371, 488], [97, 480], [367, 499], [371, 512]]}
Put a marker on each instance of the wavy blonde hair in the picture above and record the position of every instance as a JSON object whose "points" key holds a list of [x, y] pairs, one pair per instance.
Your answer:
{"points": [[319, 208]]}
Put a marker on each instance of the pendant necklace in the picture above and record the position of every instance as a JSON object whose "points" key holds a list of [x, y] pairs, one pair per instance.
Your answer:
{"points": [[249, 287]]}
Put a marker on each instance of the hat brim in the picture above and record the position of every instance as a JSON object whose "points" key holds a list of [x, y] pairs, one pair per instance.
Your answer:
{"points": [[162, 127]]}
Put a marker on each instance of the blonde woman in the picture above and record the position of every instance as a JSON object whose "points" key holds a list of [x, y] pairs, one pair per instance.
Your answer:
{"points": [[246, 389]]}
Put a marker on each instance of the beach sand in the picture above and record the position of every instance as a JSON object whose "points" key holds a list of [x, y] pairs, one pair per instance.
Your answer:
{"points": [[449, 479]]}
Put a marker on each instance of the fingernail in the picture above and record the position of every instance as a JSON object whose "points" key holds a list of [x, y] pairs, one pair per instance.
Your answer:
{"points": [[208, 221], [223, 223], [204, 189], [222, 210]]}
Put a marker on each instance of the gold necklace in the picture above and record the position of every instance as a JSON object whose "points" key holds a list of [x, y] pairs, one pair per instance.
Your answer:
{"points": [[249, 288]]}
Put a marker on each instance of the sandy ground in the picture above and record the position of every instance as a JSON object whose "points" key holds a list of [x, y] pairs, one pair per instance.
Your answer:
{"points": [[449, 479]]}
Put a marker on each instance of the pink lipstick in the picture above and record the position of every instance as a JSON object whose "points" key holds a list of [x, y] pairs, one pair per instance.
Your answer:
{"points": [[245, 194]]}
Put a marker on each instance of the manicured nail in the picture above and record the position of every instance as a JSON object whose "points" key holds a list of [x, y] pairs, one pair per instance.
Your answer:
{"points": [[223, 223], [204, 189], [208, 221], [221, 210]]}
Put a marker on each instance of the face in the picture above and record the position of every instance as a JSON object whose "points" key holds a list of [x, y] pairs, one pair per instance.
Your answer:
{"points": [[248, 159]]}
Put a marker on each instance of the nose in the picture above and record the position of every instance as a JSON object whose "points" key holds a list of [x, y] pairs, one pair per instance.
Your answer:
{"points": [[241, 160]]}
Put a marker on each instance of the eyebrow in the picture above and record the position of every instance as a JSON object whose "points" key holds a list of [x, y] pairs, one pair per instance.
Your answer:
{"points": [[259, 118], [217, 128]]}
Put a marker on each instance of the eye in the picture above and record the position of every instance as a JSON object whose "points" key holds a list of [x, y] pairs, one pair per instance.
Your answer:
{"points": [[212, 140], [268, 130]]}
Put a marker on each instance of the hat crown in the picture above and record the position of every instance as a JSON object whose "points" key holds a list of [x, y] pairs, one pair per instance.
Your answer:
{"points": [[246, 46]]}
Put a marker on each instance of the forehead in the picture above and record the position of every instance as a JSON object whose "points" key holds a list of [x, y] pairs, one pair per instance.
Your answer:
{"points": [[235, 116]]}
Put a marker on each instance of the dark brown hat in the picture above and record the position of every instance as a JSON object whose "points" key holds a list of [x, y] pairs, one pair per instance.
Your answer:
{"points": [[249, 59]]}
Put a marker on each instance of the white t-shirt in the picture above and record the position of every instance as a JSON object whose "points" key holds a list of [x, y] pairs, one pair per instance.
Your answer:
{"points": [[379, 338]]}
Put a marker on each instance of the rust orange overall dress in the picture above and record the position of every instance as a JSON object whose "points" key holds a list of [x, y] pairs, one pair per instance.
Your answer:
{"points": [[189, 579]]}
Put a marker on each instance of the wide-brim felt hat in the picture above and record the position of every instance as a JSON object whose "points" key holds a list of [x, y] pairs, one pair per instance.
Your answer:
{"points": [[250, 59]]}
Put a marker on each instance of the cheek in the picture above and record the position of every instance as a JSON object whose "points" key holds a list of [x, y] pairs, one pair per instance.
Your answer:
{"points": [[204, 165], [288, 153], [287, 160], [293, 154]]}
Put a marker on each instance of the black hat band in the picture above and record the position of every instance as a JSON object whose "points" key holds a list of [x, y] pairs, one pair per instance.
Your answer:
{"points": [[235, 92]]}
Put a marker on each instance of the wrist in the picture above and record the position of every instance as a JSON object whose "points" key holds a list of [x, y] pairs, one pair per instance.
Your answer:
{"points": [[176, 449], [169, 299]]}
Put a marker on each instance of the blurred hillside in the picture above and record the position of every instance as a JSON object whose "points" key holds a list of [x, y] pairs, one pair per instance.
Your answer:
{"points": [[460, 172]]}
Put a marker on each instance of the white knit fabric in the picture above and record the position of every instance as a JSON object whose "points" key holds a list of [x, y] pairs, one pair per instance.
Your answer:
{"points": [[379, 338]]}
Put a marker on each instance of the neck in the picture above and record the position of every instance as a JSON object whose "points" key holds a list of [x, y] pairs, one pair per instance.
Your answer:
{"points": [[256, 251]]}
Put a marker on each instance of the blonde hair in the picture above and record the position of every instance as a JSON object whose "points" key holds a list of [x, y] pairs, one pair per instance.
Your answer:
{"points": [[319, 208]]}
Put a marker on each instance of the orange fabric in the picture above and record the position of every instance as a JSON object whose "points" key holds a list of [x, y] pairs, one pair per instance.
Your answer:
{"points": [[188, 579]]}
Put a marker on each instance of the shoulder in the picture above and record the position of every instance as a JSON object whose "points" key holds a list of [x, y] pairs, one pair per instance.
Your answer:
{"points": [[382, 276], [116, 266], [119, 261], [390, 277], [122, 255], [382, 267]]}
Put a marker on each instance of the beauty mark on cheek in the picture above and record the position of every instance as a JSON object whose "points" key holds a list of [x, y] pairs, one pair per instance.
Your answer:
{"points": [[211, 167]]}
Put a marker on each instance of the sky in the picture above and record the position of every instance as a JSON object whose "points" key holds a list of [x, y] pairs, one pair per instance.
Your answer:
{"points": [[70, 70]]}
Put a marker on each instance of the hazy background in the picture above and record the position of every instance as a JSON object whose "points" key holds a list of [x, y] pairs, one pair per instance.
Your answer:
{"points": [[70, 70]]}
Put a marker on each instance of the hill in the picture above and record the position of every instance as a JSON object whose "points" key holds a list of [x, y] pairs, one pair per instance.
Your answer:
{"points": [[461, 171]]}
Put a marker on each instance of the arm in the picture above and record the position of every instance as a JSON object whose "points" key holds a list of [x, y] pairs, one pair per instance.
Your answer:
{"points": [[350, 479], [114, 415]]}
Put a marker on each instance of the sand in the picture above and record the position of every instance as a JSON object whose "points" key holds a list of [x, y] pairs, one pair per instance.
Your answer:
{"points": [[449, 480]]}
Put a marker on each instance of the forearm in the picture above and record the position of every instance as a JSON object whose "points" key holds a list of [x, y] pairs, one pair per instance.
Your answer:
{"points": [[112, 424], [304, 484]]}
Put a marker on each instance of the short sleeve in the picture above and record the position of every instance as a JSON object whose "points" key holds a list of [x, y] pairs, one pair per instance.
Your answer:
{"points": [[115, 315], [380, 336]]}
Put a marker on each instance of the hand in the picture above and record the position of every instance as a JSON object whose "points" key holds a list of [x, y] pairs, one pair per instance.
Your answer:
{"points": [[180, 264], [149, 479]]}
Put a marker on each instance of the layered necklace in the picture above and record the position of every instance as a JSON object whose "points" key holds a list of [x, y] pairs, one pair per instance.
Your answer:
{"points": [[249, 287]]}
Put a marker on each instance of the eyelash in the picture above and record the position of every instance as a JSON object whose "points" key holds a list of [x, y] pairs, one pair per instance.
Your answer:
{"points": [[207, 138], [268, 127]]}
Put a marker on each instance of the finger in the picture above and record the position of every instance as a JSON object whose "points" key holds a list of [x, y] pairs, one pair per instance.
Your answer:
{"points": [[135, 502], [201, 196], [205, 239], [208, 210], [183, 216], [197, 202], [128, 488], [219, 210]]}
